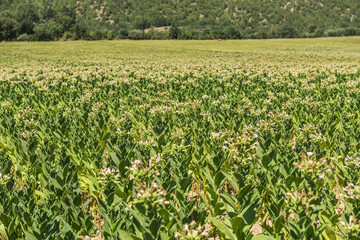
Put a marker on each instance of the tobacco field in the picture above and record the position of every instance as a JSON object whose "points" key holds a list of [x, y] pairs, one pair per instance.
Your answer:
{"points": [[180, 140]]}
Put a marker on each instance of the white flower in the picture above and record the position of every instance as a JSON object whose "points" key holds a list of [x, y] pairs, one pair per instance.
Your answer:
{"points": [[204, 233], [321, 175]]}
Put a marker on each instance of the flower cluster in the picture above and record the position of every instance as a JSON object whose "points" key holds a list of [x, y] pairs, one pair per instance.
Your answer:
{"points": [[6, 104], [309, 164], [31, 122], [178, 134], [151, 195], [191, 234], [353, 160], [351, 191], [109, 175], [138, 171], [142, 136], [317, 137], [239, 145], [86, 97], [161, 110], [115, 123], [279, 116], [97, 108], [25, 113], [3, 178], [222, 134], [44, 88], [303, 201], [147, 143], [266, 125], [29, 134], [353, 224]]}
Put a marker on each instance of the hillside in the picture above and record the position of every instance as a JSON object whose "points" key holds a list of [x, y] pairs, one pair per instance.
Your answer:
{"points": [[164, 19]]}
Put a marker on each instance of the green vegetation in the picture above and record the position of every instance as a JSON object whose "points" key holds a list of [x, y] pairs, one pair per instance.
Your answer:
{"points": [[168, 19], [180, 139]]}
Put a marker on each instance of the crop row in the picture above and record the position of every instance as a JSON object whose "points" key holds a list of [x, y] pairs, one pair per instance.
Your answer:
{"points": [[121, 154]]}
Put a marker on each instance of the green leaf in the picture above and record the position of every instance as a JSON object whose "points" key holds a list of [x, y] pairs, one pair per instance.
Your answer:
{"points": [[30, 236], [137, 217], [102, 205], [127, 236], [66, 229], [154, 227], [5, 219], [86, 203], [223, 228], [115, 159], [3, 234], [229, 200], [249, 214], [40, 194], [329, 233], [263, 237], [209, 178], [164, 236], [238, 223], [232, 181], [279, 223], [244, 191]]}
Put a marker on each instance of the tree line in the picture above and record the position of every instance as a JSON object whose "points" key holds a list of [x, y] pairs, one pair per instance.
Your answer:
{"points": [[46, 20]]}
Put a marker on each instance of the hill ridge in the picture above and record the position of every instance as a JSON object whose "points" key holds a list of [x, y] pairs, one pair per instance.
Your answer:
{"points": [[188, 19]]}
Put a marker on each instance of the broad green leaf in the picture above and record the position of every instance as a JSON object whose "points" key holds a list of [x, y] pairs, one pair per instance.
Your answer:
{"points": [[223, 228]]}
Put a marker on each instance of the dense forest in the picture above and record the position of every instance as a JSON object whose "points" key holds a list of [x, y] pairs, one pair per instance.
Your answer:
{"points": [[31, 20]]}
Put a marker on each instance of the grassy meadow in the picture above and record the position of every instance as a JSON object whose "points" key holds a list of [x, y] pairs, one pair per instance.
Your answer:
{"points": [[288, 53], [235, 139]]}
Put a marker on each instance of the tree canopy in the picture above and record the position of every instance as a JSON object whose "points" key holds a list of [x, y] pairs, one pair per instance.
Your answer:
{"points": [[175, 19]]}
